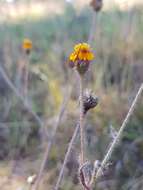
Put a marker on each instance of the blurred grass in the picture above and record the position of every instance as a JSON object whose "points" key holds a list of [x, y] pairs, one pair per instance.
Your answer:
{"points": [[115, 75]]}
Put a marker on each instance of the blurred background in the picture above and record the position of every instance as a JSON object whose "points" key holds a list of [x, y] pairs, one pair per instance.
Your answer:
{"points": [[39, 92]]}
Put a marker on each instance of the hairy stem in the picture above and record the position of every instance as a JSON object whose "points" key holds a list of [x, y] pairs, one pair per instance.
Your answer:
{"points": [[118, 137]]}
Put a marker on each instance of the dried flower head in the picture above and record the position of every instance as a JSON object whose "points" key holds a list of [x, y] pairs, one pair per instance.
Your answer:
{"points": [[96, 5], [27, 45], [90, 101], [80, 58]]}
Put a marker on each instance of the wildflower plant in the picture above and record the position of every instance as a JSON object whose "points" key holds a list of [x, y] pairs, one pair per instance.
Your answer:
{"points": [[89, 102], [80, 59], [27, 45]]}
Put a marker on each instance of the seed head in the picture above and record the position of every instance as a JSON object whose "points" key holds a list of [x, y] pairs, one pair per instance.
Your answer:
{"points": [[90, 101]]}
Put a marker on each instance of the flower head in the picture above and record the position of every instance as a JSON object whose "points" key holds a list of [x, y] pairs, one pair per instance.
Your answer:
{"points": [[90, 101], [81, 57], [27, 45], [96, 5]]}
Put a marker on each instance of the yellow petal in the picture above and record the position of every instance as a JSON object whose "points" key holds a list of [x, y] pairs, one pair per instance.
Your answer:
{"points": [[81, 55], [73, 56], [77, 47], [90, 56], [85, 46]]}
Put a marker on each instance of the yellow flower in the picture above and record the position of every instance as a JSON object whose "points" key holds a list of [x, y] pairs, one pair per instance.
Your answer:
{"points": [[27, 44], [81, 57], [82, 52], [81, 45]]}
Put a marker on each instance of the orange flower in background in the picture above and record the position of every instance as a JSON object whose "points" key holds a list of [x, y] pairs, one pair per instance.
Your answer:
{"points": [[81, 57], [27, 45]]}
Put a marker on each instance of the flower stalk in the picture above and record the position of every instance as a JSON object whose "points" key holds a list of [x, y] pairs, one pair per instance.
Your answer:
{"points": [[26, 78], [81, 120], [80, 59], [27, 47], [89, 102]]}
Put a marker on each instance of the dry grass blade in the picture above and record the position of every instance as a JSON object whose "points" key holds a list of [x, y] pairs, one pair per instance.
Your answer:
{"points": [[118, 137], [17, 93], [47, 151], [66, 157]]}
